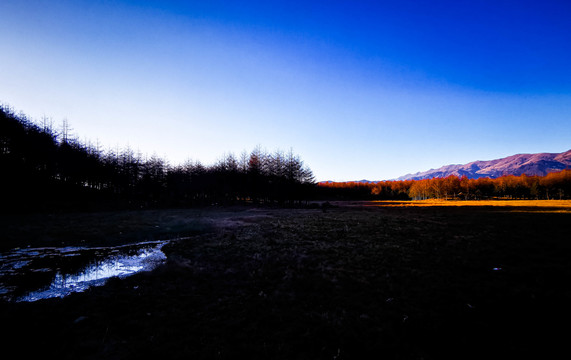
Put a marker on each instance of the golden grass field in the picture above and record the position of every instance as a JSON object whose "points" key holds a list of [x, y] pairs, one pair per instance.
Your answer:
{"points": [[512, 205]]}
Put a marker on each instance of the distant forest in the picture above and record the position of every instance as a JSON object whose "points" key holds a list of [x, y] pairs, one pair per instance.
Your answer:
{"points": [[44, 169], [556, 185]]}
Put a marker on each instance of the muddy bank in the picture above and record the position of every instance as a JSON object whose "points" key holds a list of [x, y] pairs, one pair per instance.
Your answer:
{"points": [[112, 228], [351, 282]]}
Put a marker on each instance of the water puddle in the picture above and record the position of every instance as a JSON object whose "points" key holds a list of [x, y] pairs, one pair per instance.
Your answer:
{"points": [[41, 273]]}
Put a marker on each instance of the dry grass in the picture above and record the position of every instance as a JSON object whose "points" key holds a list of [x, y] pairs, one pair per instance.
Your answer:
{"points": [[346, 282], [514, 205]]}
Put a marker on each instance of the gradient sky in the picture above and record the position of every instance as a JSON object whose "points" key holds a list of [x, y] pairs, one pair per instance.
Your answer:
{"points": [[360, 90]]}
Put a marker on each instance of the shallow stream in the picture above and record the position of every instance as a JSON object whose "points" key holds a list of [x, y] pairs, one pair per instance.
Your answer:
{"points": [[32, 274]]}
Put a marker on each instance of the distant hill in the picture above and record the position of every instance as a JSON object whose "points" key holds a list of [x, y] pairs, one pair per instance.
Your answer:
{"points": [[529, 164]]}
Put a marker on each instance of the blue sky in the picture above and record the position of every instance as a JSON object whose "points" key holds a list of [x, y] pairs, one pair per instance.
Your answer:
{"points": [[360, 90]]}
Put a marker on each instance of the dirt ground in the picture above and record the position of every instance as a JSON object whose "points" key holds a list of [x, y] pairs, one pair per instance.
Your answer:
{"points": [[342, 282]]}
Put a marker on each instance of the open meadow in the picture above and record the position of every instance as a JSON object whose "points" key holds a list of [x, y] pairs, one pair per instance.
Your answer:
{"points": [[510, 205], [345, 281]]}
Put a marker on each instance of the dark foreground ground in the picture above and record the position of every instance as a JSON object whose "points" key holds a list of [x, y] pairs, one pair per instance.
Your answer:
{"points": [[352, 282]]}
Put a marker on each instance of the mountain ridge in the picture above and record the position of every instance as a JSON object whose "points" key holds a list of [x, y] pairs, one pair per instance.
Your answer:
{"points": [[539, 164]]}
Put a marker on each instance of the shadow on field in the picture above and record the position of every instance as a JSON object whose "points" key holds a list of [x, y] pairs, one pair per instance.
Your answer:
{"points": [[353, 282]]}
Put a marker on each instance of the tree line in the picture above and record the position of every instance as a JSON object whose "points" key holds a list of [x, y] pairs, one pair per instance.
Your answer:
{"points": [[44, 169], [556, 185]]}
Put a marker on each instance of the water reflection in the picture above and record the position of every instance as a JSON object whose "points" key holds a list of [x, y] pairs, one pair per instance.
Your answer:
{"points": [[41, 273]]}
